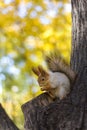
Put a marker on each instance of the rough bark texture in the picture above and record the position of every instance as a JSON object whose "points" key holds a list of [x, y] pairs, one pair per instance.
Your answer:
{"points": [[5, 122], [42, 113], [79, 34], [31, 108]]}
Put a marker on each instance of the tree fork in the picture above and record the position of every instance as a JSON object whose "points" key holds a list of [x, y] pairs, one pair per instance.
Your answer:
{"points": [[42, 113]]}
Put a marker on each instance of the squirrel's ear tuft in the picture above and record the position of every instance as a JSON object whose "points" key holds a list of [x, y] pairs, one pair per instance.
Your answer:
{"points": [[36, 71], [42, 71], [40, 68]]}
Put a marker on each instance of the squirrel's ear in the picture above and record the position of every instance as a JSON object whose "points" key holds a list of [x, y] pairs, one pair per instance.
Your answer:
{"points": [[42, 71], [36, 71]]}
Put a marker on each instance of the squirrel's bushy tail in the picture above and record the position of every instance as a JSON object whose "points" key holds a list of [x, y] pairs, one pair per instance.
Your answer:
{"points": [[57, 63]]}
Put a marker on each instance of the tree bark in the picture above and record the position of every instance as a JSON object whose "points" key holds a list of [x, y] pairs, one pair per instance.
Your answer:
{"points": [[31, 108], [70, 113], [79, 34], [5, 122]]}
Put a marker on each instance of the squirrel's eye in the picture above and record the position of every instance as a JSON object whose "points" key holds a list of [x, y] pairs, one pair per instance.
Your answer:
{"points": [[43, 79]]}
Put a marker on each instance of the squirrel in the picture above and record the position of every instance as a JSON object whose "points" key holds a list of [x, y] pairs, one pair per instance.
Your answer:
{"points": [[58, 79]]}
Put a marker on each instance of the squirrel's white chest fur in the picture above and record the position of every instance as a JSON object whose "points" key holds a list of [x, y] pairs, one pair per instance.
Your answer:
{"points": [[60, 83]]}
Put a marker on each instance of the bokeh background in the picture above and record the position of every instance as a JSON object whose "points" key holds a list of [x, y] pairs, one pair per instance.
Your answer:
{"points": [[28, 30]]}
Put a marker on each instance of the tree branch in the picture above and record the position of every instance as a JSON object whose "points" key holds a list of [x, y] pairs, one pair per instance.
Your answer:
{"points": [[5, 122]]}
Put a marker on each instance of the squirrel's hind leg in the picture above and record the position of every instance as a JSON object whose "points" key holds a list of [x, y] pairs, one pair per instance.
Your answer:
{"points": [[63, 92], [51, 95]]}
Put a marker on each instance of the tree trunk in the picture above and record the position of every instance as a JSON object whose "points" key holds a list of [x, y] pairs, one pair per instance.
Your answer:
{"points": [[5, 122], [42, 113], [79, 34]]}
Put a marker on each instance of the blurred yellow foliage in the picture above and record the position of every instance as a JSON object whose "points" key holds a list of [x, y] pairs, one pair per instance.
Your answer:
{"points": [[28, 30]]}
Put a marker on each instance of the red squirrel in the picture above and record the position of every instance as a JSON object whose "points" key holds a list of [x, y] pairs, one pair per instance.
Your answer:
{"points": [[57, 81]]}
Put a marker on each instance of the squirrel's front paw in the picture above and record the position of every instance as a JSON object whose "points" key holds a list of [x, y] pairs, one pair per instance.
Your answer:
{"points": [[43, 89]]}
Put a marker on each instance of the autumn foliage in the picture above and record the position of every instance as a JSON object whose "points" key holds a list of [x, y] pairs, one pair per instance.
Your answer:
{"points": [[28, 30]]}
